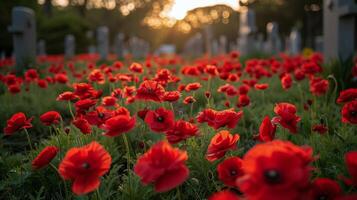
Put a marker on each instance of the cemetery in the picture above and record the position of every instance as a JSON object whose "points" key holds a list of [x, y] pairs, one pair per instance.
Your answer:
{"points": [[178, 99]]}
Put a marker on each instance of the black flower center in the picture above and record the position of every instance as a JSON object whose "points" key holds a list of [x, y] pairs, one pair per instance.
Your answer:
{"points": [[322, 197], [160, 119], [272, 176], [86, 165], [233, 172], [353, 113]]}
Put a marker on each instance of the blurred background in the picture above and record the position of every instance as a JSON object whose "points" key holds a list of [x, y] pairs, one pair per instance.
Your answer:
{"points": [[158, 21]]}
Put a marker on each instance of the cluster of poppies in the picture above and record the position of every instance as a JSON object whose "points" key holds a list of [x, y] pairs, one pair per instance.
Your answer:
{"points": [[272, 169]]}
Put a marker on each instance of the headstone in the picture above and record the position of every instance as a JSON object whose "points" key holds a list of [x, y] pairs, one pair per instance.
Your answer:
{"points": [[69, 46], [340, 28], [247, 30], [215, 47], [103, 42], [23, 29], [41, 48], [295, 42], [208, 38], [259, 42], [319, 43], [119, 45], [91, 47], [222, 44], [274, 43]]}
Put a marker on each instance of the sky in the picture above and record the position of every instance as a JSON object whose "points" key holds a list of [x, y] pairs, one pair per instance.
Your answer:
{"points": [[181, 7]]}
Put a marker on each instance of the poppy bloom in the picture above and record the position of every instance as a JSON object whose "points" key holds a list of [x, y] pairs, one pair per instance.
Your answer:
{"points": [[17, 122], [160, 120], [42, 83], [84, 104], [142, 113], [84, 166], [192, 86], [189, 100], [83, 125], [44, 157], [243, 100], [136, 67], [218, 119], [61, 78], [266, 130], [150, 90], [287, 116], [96, 76], [351, 162], [211, 70], [181, 131], [318, 86], [324, 188], [262, 86], [67, 96], [220, 144], [50, 117], [349, 112], [109, 101], [118, 124], [224, 195], [163, 166], [243, 89], [229, 170], [320, 128], [276, 170], [286, 81], [14, 89], [347, 95], [171, 96]]}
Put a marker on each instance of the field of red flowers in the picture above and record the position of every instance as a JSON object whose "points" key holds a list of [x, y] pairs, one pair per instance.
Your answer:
{"points": [[222, 128]]}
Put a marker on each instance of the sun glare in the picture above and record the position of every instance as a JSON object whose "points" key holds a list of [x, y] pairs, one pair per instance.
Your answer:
{"points": [[181, 7]]}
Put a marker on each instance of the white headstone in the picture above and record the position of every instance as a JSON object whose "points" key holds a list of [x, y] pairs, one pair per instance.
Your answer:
{"points": [[340, 29], [103, 42], [208, 38], [274, 44], [247, 30], [69, 46], [295, 42], [41, 48], [119, 45], [222, 44], [23, 29]]}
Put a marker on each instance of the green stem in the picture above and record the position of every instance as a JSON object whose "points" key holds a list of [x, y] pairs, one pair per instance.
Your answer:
{"points": [[98, 194], [70, 109], [28, 138], [126, 143], [178, 193]]}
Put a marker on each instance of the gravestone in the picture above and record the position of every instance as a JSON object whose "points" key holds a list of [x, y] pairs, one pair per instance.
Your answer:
{"points": [[23, 29], [319, 43], [259, 43], [247, 30], [222, 44], [91, 47], [273, 44], [208, 38], [69, 46], [103, 42], [340, 28], [295, 42], [119, 45], [215, 47], [41, 48]]}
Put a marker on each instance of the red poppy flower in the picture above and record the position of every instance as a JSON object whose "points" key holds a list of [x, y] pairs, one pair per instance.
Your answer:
{"points": [[229, 170], [224, 195], [181, 131], [171, 96], [17, 122], [324, 188], [351, 162], [311, 68], [192, 86], [218, 119], [150, 90], [83, 90], [67, 96], [44, 157], [31, 75], [109, 101], [83, 125], [211, 70], [287, 116], [14, 89], [84, 105], [220, 144], [50, 117], [160, 120], [347, 95], [276, 170], [96, 76], [348, 196], [162, 165], [262, 86], [118, 124], [42, 83], [243, 100], [266, 130], [61, 78], [189, 100], [286, 81], [349, 112], [318, 86], [136, 67], [142, 113], [320, 128], [243, 89], [84, 166]]}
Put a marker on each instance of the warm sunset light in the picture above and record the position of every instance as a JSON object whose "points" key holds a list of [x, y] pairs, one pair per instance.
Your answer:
{"points": [[181, 7]]}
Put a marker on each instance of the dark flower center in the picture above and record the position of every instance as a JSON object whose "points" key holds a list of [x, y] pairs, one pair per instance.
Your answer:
{"points": [[272, 176], [353, 113], [86, 165], [233, 172], [160, 119], [322, 197]]}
